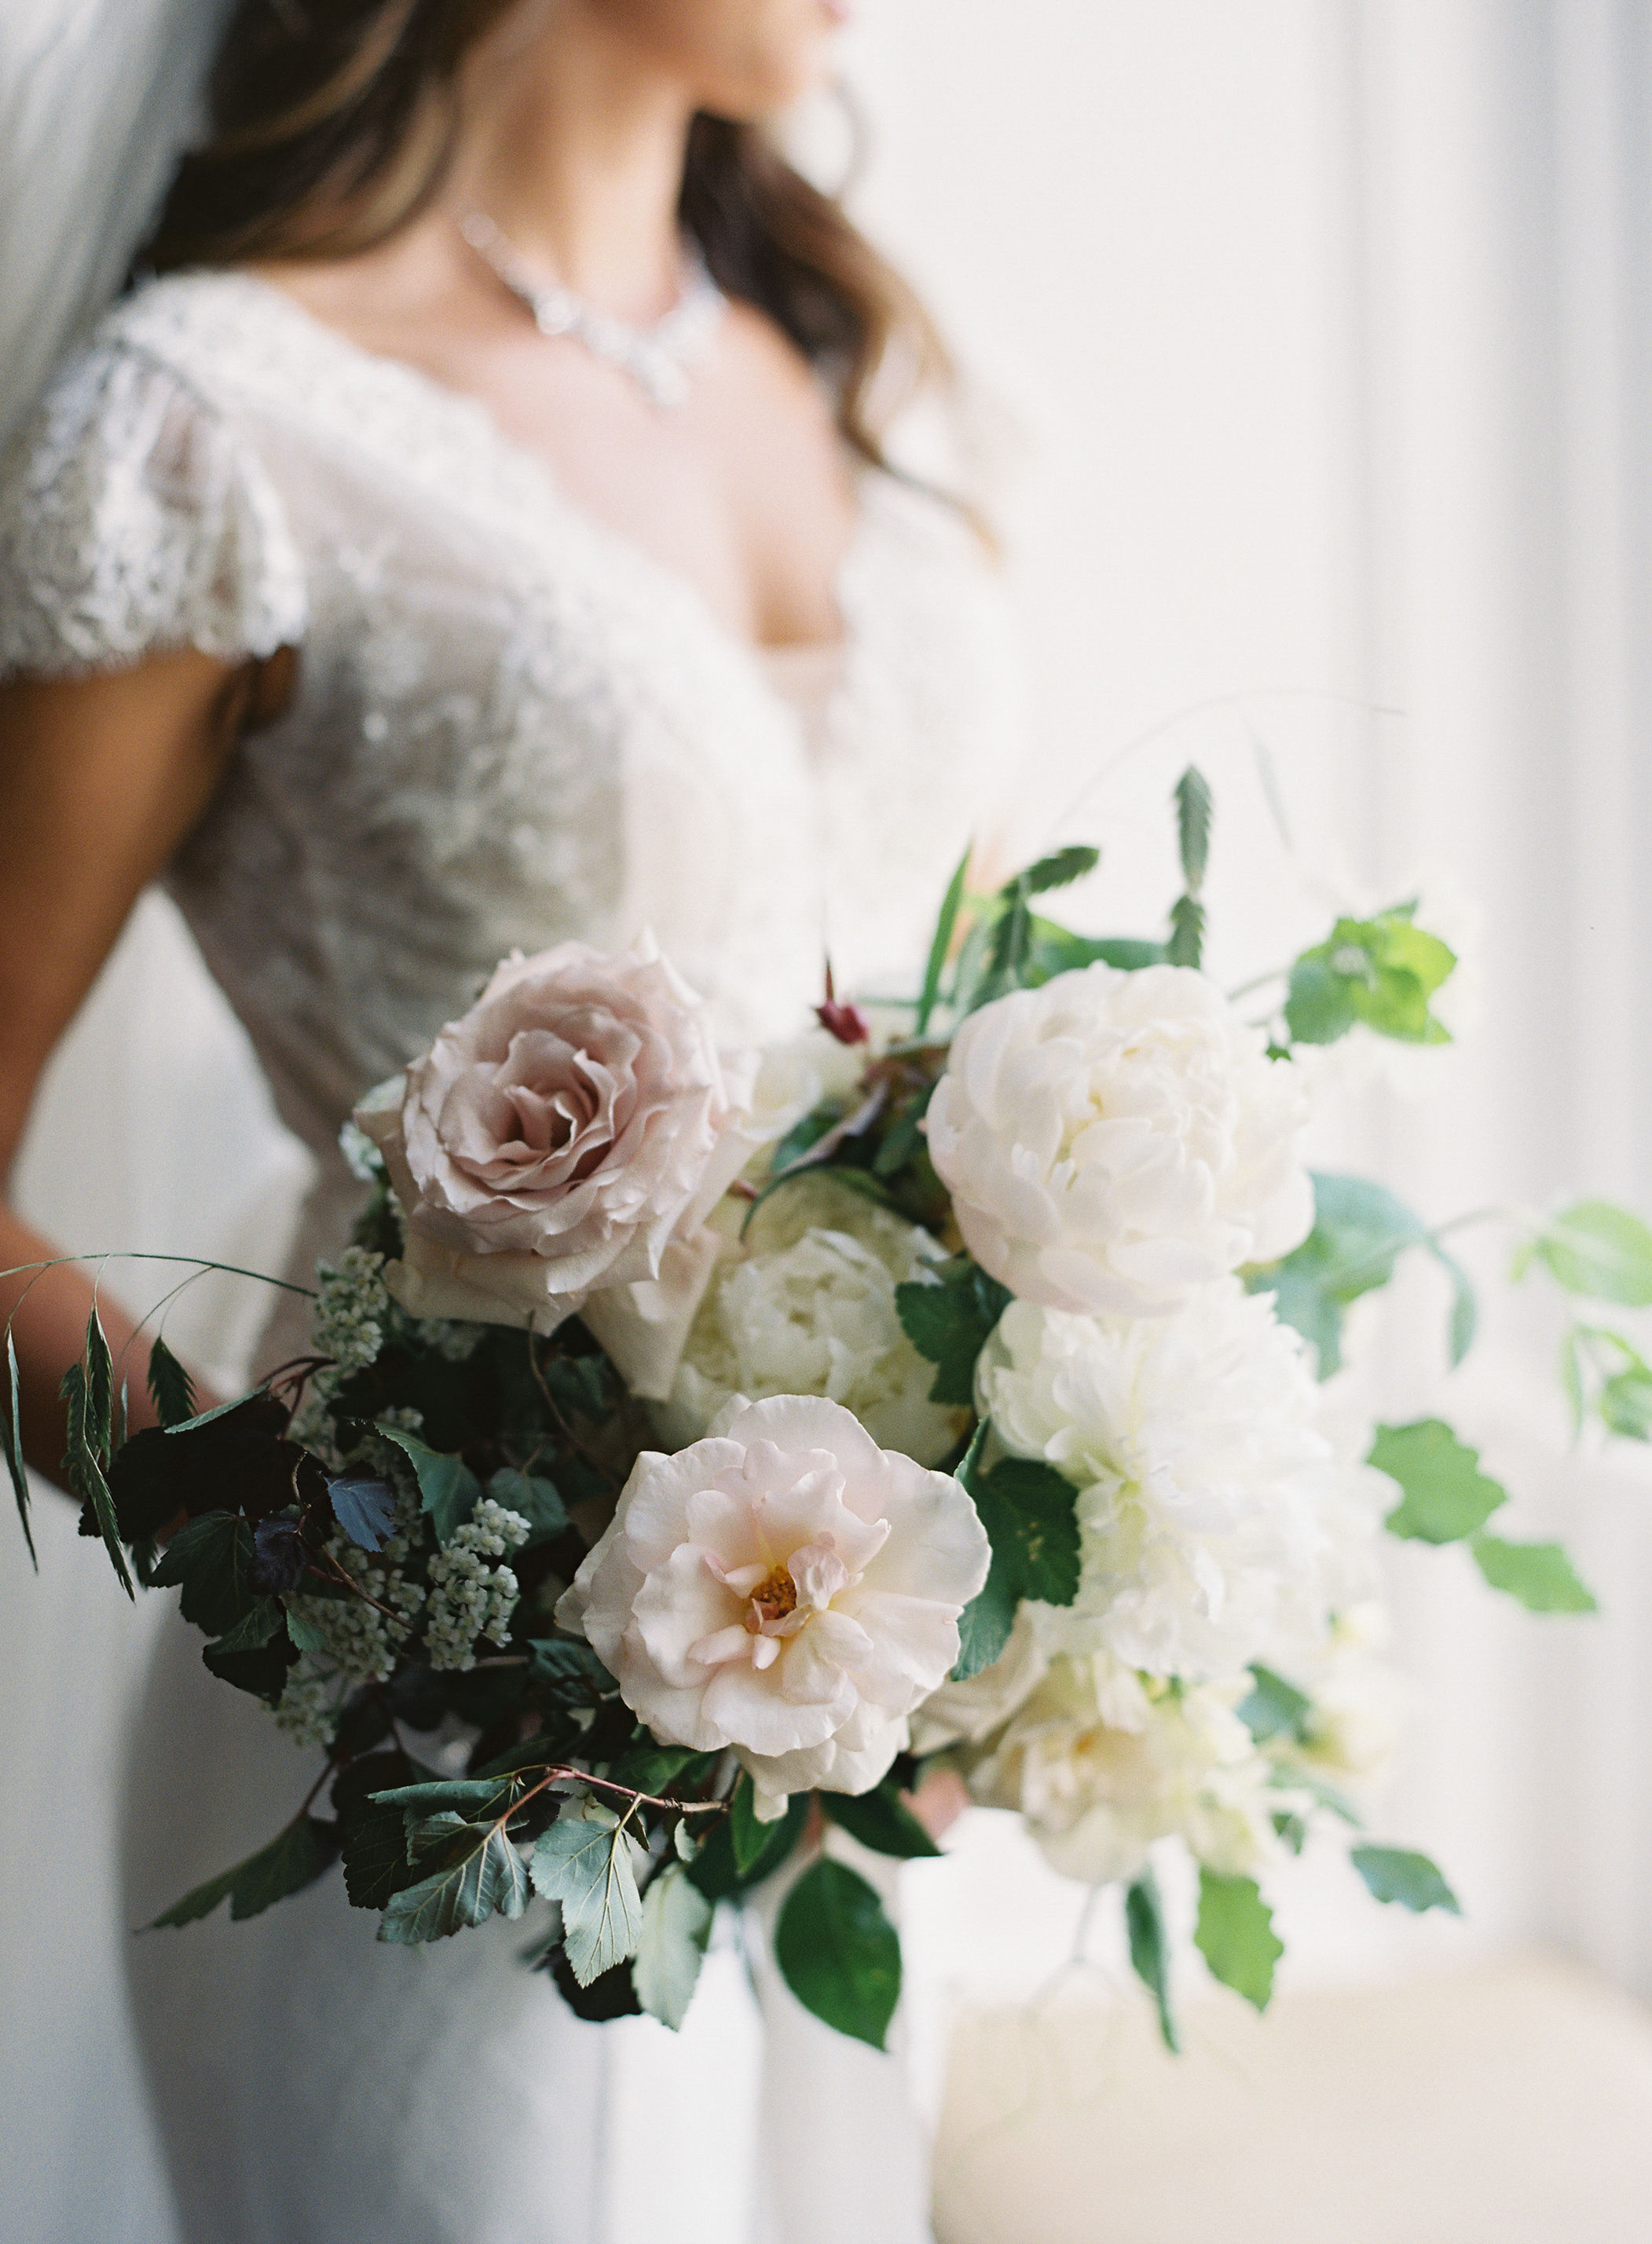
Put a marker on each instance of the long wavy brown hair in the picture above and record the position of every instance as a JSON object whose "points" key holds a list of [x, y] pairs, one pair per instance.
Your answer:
{"points": [[333, 121]]}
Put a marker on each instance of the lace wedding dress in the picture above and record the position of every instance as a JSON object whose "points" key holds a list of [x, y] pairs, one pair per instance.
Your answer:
{"points": [[510, 727]]}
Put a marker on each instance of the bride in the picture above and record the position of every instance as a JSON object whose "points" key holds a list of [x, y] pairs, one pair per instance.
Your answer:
{"points": [[473, 532]]}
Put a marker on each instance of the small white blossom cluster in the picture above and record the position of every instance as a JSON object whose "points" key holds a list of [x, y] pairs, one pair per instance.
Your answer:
{"points": [[309, 1706], [361, 1643], [468, 1597], [352, 1310]]}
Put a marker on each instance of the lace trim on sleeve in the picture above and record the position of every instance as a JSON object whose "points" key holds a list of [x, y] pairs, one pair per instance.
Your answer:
{"points": [[132, 520]]}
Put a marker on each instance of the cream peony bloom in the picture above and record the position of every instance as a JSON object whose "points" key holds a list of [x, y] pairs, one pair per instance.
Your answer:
{"points": [[1217, 1524], [1101, 1765], [783, 1587], [807, 1307], [559, 1148], [1112, 1141]]}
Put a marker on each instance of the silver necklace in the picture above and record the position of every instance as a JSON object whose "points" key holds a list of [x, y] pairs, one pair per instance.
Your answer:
{"points": [[659, 359]]}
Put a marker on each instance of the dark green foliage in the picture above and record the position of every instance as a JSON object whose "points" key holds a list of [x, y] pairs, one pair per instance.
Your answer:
{"points": [[534, 1497], [838, 1953], [566, 1670], [209, 1559], [881, 1819], [1150, 1950], [235, 1458], [466, 1873], [262, 1669], [170, 1387], [449, 1491], [714, 1868], [293, 1859], [1028, 1510], [949, 1322], [610, 1994], [84, 1388]]}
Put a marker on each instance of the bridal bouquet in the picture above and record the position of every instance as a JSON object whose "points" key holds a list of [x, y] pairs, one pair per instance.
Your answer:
{"points": [[699, 1449]]}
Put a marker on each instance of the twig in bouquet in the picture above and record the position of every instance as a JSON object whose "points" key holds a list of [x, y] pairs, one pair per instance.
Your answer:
{"points": [[199, 1263], [343, 1579], [567, 1774]]}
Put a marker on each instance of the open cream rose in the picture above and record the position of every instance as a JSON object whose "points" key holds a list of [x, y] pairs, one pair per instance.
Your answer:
{"points": [[783, 1587], [559, 1148]]}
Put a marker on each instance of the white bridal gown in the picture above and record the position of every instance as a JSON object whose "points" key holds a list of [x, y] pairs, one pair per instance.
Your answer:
{"points": [[509, 728]]}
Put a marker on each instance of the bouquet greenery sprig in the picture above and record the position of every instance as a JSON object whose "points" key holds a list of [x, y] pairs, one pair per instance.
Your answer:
{"points": [[698, 1448]]}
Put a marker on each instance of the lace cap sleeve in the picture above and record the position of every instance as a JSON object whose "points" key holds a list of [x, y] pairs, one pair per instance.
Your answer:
{"points": [[133, 520]]}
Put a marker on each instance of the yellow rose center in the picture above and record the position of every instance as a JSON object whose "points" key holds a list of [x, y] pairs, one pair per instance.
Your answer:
{"points": [[775, 1596]]}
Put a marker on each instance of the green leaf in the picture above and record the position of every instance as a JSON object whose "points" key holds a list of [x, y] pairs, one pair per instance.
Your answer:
{"points": [[293, 1859], [1029, 1511], [941, 943], [1444, 1496], [949, 1321], [449, 1491], [267, 1619], [438, 1795], [1150, 1950], [169, 1385], [747, 1836], [1058, 870], [838, 1953], [713, 1870], [676, 1925], [1539, 1574], [1194, 810], [1381, 972], [374, 1850], [1626, 1402], [471, 1872], [1392, 1874], [1057, 951], [208, 1559], [100, 1375], [881, 1819], [82, 1472], [534, 1498], [1186, 946], [587, 1862], [306, 1635], [1275, 1708], [12, 1428], [568, 1671], [1236, 1935], [1599, 1251]]}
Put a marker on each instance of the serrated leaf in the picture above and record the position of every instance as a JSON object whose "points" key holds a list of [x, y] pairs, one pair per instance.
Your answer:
{"points": [[1394, 1874], [676, 1926], [376, 1864], [83, 1473], [473, 1872], [1599, 1251], [949, 1321], [1029, 1511], [1150, 1950], [449, 1491], [169, 1387], [1236, 1935], [1539, 1574], [12, 1431], [100, 1376], [293, 1859], [265, 1620], [1058, 870], [449, 1793], [838, 1953], [365, 1507], [1444, 1496], [1194, 812], [941, 943], [881, 1819], [1186, 946], [1275, 1708], [208, 1559], [587, 1862]]}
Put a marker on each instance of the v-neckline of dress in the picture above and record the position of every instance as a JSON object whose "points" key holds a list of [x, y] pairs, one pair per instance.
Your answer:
{"points": [[464, 409]]}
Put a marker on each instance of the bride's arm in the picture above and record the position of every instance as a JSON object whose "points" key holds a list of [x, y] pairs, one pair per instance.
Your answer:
{"points": [[100, 779]]}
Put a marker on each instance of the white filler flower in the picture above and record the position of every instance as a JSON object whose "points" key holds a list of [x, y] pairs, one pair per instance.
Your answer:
{"points": [[783, 1587], [1112, 1141], [809, 1309], [1217, 1524]]}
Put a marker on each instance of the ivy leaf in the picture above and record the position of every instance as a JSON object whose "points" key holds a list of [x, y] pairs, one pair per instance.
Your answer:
{"points": [[1444, 1496], [676, 1925], [1539, 1574], [83, 1473], [293, 1859], [1599, 1251], [1381, 972], [11, 1430], [838, 1953], [587, 1862], [1236, 1935], [1150, 1950], [1275, 1708], [1029, 1511], [1392, 1874], [169, 1386], [365, 1507], [940, 945], [449, 1491], [950, 1321], [471, 1872], [714, 1868], [210, 1559], [881, 1819]]}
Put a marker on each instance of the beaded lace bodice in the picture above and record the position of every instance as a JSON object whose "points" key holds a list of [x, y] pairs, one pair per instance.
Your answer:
{"points": [[510, 726]]}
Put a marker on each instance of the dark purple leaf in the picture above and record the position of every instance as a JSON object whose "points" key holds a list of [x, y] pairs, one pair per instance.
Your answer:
{"points": [[280, 1555]]}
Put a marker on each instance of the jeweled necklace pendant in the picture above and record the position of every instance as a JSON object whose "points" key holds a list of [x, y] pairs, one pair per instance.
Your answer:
{"points": [[659, 359]]}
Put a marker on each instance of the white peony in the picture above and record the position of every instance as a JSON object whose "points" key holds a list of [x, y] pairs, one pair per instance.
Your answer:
{"points": [[1112, 1141], [561, 1144], [808, 1308], [1217, 1524], [1101, 1764], [783, 1587]]}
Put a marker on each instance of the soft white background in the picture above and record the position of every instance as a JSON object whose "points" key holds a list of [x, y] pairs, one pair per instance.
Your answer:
{"points": [[1324, 326]]}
